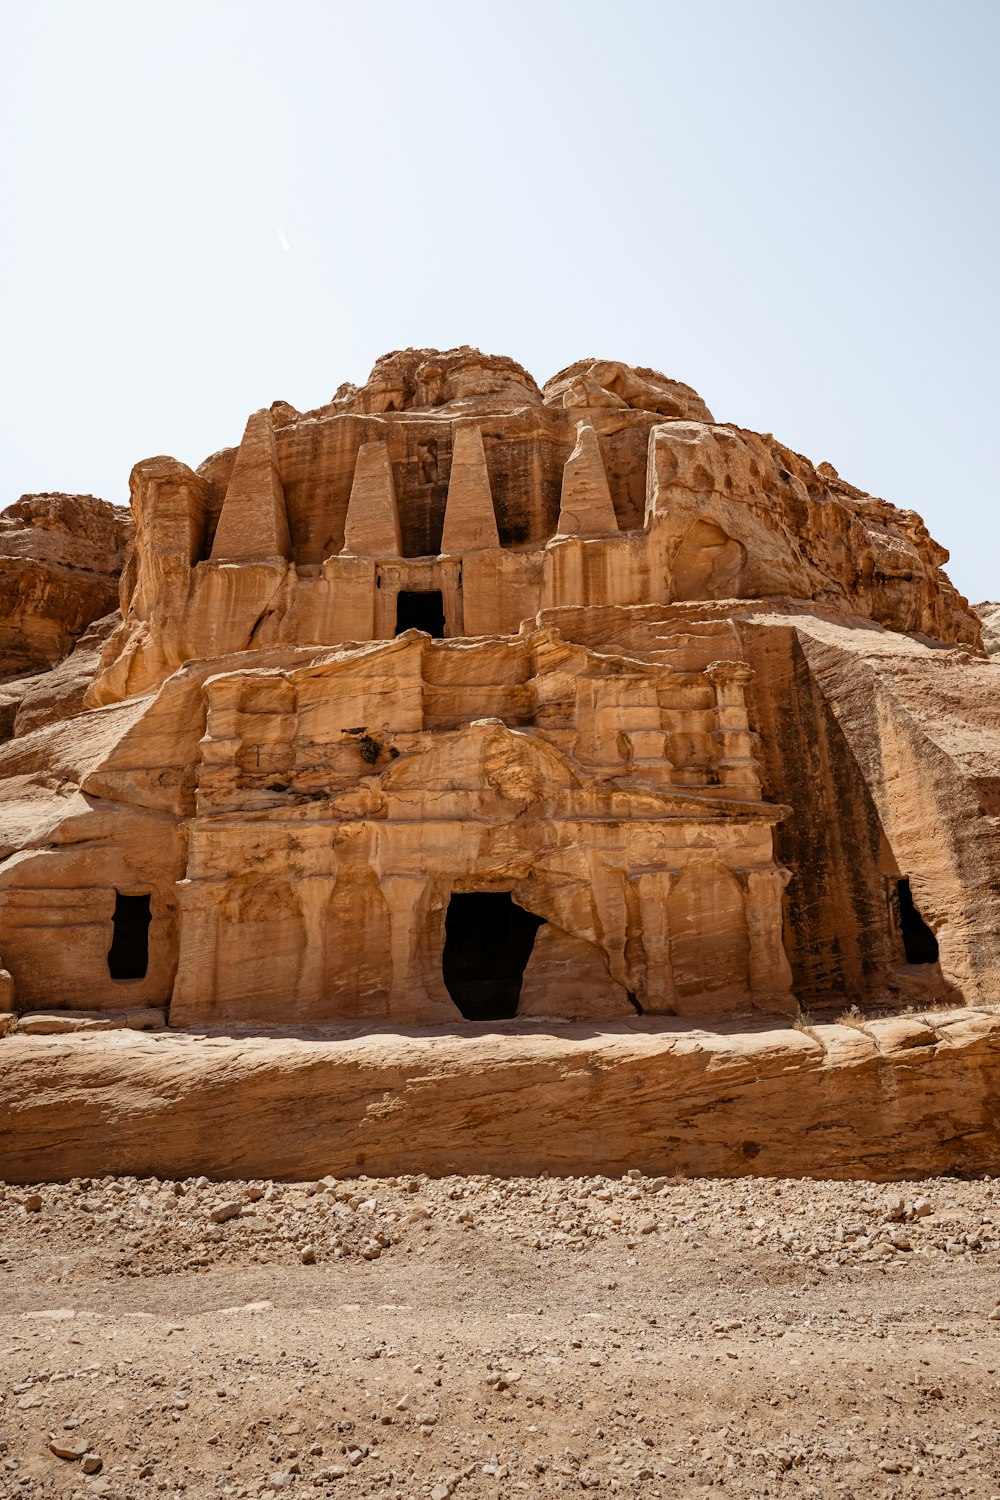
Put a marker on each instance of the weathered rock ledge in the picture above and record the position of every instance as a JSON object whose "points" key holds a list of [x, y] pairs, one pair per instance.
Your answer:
{"points": [[896, 1098]]}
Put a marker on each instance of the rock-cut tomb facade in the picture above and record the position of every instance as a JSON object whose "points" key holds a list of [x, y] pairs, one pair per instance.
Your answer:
{"points": [[461, 699]]}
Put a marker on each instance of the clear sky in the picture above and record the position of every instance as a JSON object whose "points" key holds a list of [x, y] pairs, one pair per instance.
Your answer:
{"points": [[790, 204]]}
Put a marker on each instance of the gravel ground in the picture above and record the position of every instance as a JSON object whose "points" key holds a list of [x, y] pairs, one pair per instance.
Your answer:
{"points": [[487, 1337]]}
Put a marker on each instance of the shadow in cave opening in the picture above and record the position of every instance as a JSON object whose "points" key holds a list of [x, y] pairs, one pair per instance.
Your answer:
{"points": [[128, 956], [420, 609], [919, 943], [488, 941]]}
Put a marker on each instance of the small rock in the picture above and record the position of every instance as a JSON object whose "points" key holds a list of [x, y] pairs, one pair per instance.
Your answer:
{"points": [[225, 1211], [70, 1451], [307, 1255], [33, 1203], [440, 1492], [92, 1463]]}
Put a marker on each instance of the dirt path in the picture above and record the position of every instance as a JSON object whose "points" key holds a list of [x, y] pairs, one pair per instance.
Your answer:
{"points": [[484, 1338]]}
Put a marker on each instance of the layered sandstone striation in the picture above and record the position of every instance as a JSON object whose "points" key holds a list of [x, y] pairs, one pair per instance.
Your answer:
{"points": [[888, 1099], [60, 561], [462, 699]]}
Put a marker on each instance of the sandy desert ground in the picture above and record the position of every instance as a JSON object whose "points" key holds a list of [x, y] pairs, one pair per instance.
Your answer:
{"points": [[483, 1337]]}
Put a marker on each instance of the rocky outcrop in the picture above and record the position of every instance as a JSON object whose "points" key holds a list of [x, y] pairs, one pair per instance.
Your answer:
{"points": [[675, 507], [607, 385], [60, 561], [989, 617], [890, 1099], [28, 703]]}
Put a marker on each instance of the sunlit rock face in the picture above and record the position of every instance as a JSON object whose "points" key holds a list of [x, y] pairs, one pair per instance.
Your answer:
{"points": [[462, 698], [60, 558], [989, 617]]}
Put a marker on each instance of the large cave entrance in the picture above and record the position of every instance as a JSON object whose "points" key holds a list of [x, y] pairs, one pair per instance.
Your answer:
{"points": [[488, 941]]}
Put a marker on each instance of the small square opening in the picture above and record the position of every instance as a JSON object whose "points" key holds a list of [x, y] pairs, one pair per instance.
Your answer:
{"points": [[420, 609]]}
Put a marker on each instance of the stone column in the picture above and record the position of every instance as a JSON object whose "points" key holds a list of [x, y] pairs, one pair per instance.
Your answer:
{"points": [[405, 896], [770, 972], [194, 992], [735, 761], [653, 888], [314, 893]]}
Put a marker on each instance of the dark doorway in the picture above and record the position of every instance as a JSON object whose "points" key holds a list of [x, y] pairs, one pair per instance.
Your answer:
{"points": [[128, 956], [488, 941], [420, 610], [919, 943]]}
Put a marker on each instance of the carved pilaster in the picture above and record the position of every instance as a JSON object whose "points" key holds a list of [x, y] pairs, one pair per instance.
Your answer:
{"points": [[405, 898], [314, 893], [734, 763], [653, 888], [770, 972], [195, 987]]}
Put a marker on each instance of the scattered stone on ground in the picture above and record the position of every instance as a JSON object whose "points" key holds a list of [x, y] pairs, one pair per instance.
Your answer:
{"points": [[490, 1337]]}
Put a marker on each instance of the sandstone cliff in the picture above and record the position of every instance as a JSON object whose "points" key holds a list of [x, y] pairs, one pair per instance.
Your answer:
{"points": [[989, 616], [686, 508], [60, 560], [461, 697]]}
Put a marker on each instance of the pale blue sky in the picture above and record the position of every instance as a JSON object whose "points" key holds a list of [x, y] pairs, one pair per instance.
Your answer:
{"points": [[790, 204]]}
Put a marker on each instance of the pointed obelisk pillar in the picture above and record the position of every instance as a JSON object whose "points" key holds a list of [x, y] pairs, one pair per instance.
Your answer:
{"points": [[372, 526], [253, 522], [470, 522], [586, 507]]}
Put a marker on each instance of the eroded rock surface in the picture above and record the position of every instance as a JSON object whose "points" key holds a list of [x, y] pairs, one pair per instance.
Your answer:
{"points": [[884, 1099], [461, 698], [60, 561], [989, 616]]}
